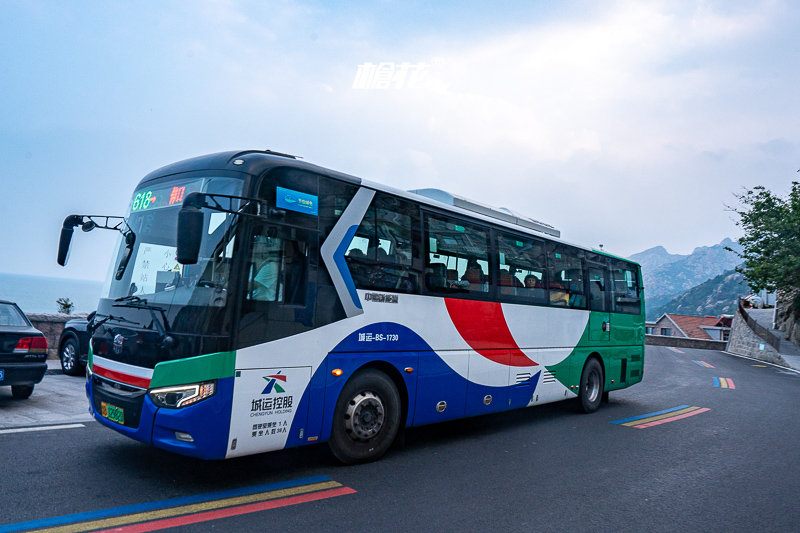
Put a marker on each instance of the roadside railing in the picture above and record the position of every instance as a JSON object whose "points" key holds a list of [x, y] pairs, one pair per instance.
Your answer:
{"points": [[769, 337]]}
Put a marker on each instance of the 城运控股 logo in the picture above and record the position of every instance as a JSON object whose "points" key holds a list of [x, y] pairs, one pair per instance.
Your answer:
{"points": [[272, 383]]}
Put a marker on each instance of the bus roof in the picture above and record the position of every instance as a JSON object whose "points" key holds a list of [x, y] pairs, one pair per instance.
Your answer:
{"points": [[256, 162]]}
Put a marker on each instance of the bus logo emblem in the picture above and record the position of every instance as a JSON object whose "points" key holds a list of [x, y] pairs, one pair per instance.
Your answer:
{"points": [[118, 340], [272, 383]]}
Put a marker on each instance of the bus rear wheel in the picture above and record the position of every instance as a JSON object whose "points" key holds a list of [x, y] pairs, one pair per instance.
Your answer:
{"points": [[592, 384], [366, 418]]}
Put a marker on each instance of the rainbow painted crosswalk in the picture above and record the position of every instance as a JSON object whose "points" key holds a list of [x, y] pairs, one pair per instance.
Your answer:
{"points": [[724, 383], [702, 363], [674, 349], [155, 516], [661, 417]]}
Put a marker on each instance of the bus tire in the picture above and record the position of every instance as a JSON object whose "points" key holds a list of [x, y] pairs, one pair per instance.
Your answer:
{"points": [[592, 384], [366, 418]]}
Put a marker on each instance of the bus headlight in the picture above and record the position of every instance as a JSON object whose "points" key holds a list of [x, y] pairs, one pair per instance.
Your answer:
{"points": [[183, 395]]}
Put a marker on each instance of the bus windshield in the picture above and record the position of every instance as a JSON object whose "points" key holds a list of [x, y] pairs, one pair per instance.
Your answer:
{"points": [[153, 278]]}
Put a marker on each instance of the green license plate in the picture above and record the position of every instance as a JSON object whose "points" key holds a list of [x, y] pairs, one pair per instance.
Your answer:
{"points": [[113, 413]]}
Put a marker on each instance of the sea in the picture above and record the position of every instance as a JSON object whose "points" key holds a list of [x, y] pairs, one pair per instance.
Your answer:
{"points": [[38, 294]]}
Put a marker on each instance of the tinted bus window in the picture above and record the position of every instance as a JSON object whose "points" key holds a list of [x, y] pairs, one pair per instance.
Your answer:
{"points": [[566, 276], [381, 254], [625, 287], [597, 282], [294, 193], [522, 269], [458, 257]]}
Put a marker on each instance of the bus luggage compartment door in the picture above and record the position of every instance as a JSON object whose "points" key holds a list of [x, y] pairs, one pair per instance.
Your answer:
{"points": [[268, 403], [441, 389]]}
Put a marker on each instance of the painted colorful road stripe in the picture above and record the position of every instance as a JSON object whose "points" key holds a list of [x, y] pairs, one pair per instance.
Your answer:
{"points": [[702, 363], [760, 366], [724, 383], [661, 417], [175, 512], [674, 349]]}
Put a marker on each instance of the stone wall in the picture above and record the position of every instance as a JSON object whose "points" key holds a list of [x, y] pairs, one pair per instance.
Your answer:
{"points": [[51, 326], [787, 318], [684, 342], [744, 341]]}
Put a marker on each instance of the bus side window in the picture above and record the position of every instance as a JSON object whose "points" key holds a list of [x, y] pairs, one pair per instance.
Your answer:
{"points": [[381, 254], [458, 257], [522, 269], [597, 288], [625, 287], [566, 276], [278, 269]]}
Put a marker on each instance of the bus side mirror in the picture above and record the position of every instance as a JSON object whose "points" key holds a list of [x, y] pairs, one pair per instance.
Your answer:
{"points": [[190, 233], [64, 241]]}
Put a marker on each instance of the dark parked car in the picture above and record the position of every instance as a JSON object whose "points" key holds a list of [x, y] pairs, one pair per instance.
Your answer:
{"points": [[23, 351], [73, 347]]}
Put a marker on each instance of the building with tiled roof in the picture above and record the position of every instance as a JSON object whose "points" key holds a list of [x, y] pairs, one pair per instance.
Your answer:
{"points": [[692, 327]]}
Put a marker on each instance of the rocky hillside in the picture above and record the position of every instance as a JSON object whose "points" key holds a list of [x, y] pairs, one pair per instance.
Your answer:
{"points": [[653, 258], [716, 296], [667, 275]]}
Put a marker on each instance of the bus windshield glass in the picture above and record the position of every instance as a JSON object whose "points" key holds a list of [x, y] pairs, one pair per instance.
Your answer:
{"points": [[153, 278]]}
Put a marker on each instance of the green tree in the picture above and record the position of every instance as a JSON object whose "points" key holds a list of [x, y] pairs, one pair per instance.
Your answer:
{"points": [[771, 241], [65, 306]]}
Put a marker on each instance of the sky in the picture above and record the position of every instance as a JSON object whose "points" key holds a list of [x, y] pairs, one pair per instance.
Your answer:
{"points": [[622, 123]]}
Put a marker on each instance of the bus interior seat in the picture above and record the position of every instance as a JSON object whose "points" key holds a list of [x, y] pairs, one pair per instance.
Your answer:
{"points": [[437, 277]]}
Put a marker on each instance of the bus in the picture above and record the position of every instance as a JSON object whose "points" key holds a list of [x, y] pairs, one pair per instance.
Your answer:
{"points": [[258, 302]]}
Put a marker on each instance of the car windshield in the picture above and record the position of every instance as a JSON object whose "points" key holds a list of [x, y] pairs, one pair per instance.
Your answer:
{"points": [[153, 278], [10, 316]]}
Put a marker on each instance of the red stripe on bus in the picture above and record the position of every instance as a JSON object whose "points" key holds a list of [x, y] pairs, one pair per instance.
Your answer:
{"points": [[230, 511], [121, 377], [483, 326]]}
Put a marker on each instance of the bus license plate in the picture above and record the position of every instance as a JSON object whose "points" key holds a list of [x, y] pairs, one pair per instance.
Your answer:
{"points": [[115, 414]]}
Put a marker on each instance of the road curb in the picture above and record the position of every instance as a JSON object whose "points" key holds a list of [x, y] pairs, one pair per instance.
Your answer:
{"points": [[789, 368]]}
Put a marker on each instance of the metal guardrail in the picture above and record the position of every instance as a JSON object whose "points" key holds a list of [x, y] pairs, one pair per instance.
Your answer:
{"points": [[769, 337]]}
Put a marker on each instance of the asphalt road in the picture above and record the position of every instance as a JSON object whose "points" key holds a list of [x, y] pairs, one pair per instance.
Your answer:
{"points": [[732, 467]]}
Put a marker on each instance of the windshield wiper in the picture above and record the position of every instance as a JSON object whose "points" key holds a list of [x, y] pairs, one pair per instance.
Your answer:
{"points": [[135, 302], [94, 324]]}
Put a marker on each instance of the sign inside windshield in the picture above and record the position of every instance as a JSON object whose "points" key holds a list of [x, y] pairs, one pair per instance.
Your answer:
{"points": [[155, 269]]}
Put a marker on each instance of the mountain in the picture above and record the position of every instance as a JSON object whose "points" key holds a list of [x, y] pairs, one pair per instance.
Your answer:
{"points": [[656, 257], [668, 275], [716, 296]]}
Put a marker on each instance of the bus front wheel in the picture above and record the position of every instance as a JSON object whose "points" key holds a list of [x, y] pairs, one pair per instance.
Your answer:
{"points": [[366, 418], [592, 384]]}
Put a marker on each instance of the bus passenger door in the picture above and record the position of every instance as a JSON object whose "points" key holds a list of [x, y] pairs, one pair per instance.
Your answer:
{"points": [[599, 304]]}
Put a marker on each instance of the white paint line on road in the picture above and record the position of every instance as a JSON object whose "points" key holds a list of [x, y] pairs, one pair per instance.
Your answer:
{"points": [[41, 428], [785, 370]]}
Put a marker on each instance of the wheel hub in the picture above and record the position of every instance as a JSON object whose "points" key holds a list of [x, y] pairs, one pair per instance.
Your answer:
{"points": [[592, 386], [69, 356], [365, 416]]}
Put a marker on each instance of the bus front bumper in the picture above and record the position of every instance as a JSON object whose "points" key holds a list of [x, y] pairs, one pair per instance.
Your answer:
{"points": [[199, 430]]}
